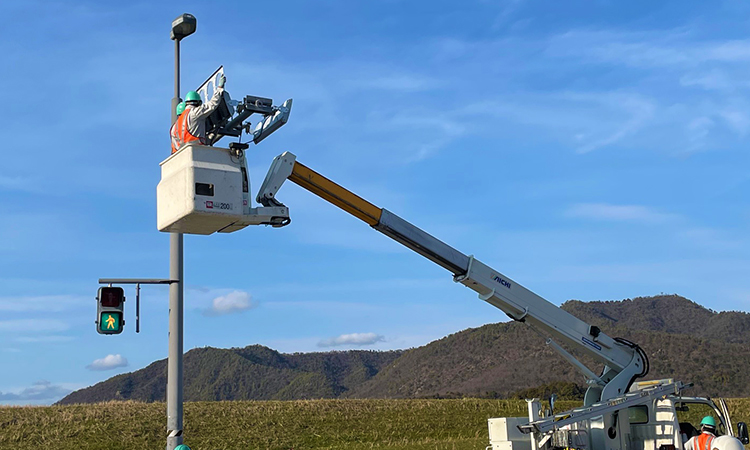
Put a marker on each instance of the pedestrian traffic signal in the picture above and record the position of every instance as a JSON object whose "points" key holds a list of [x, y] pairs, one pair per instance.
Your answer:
{"points": [[109, 310]]}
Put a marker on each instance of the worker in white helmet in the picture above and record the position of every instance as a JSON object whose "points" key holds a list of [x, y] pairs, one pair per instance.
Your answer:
{"points": [[726, 443]]}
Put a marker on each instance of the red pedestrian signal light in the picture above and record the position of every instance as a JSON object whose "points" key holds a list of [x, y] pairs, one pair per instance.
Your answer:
{"points": [[111, 297], [109, 310]]}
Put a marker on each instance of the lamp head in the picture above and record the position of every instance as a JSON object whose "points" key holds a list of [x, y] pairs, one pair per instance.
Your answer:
{"points": [[183, 26]]}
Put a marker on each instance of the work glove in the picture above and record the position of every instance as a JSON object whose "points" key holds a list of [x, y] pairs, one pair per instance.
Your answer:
{"points": [[222, 81]]}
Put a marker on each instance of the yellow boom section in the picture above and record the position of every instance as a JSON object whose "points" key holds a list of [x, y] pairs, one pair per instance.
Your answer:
{"points": [[337, 195]]}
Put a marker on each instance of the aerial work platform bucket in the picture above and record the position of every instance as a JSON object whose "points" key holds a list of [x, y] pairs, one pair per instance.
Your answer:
{"points": [[206, 189]]}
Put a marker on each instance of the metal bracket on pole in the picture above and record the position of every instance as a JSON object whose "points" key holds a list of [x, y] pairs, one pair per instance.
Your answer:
{"points": [[135, 281]]}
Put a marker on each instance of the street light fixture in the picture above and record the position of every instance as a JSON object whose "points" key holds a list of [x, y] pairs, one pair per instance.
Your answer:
{"points": [[182, 27]]}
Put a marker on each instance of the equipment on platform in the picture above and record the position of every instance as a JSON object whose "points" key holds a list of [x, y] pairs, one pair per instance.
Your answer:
{"points": [[222, 122], [229, 117]]}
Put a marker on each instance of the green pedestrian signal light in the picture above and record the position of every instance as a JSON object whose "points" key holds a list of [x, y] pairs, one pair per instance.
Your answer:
{"points": [[109, 310], [110, 322]]}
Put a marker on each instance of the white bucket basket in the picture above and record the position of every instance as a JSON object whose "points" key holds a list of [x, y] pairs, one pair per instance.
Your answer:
{"points": [[201, 191]]}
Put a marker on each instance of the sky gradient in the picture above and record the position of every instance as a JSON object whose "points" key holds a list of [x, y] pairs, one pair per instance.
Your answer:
{"points": [[588, 150]]}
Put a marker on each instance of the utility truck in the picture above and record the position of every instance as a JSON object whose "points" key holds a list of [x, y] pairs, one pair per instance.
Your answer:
{"points": [[206, 189]]}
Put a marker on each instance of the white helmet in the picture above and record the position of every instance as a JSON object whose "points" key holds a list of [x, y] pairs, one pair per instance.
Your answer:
{"points": [[726, 443]]}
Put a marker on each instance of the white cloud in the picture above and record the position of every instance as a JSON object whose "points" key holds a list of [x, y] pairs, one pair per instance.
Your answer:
{"points": [[639, 111], [712, 80], [697, 131], [345, 287], [39, 391], [671, 48], [398, 82], [35, 325], [53, 338], [233, 302], [649, 111], [738, 120], [729, 51], [52, 303], [355, 339], [420, 132], [626, 113], [714, 240], [589, 120], [109, 362], [618, 213], [19, 183]]}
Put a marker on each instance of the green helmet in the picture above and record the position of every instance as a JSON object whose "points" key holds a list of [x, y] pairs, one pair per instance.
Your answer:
{"points": [[193, 96], [180, 108], [708, 421], [182, 447]]}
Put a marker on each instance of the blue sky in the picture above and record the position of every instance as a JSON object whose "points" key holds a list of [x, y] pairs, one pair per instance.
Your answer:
{"points": [[588, 150]]}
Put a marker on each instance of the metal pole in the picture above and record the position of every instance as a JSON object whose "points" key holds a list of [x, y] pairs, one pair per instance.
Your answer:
{"points": [[174, 362]]}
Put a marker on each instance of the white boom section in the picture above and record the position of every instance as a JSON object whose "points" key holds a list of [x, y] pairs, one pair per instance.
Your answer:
{"points": [[623, 362], [523, 305]]}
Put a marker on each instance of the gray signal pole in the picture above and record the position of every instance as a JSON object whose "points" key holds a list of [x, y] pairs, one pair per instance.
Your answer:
{"points": [[182, 26]]}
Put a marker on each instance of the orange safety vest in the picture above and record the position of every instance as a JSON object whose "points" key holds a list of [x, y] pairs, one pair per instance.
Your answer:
{"points": [[703, 441], [183, 134], [174, 138]]}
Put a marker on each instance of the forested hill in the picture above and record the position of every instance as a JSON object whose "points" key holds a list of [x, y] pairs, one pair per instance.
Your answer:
{"points": [[684, 341], [251, 373], [669, 314]]}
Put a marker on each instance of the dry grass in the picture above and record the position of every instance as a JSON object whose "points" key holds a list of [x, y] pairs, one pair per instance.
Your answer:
{"points": [[334, 424]]}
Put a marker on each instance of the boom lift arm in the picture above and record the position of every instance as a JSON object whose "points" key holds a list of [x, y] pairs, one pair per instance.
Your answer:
{"points": [[623, 360]]}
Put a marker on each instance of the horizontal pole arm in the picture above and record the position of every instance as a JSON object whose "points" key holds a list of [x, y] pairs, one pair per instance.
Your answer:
{"points": [[135, 281]]}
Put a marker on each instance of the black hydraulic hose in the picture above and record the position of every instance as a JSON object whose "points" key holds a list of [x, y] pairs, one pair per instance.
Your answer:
{"points": [[640, 351]]}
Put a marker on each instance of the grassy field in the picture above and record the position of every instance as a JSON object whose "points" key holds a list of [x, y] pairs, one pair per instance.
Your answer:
{"points": [[335, 424]]}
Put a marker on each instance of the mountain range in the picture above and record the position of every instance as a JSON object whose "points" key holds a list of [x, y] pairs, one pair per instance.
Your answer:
{"points": [[683, 340]]}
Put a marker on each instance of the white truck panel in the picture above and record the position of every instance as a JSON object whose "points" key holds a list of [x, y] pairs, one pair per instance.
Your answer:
{"points": [[504, 433]]}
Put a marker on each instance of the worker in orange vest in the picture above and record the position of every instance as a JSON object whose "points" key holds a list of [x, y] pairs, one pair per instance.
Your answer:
{"points": [[191, 125], [173, 134], [703, 440]]}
